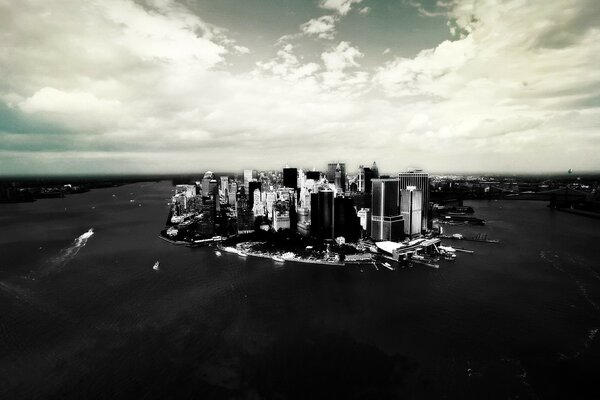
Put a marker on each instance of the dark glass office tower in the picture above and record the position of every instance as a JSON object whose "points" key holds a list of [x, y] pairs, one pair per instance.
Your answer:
{"points": [[252, 185], [321, 214], [314, 175], [315, 227], [290, 177], [346, 223], [386, 221]]}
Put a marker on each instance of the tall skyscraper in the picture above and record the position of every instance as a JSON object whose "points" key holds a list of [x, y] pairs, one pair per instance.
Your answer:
{"points": [[232, 193], [410, 208], [420, 180], [258, 207], [290, 177], [321, 207], [364, 214], [248, 175], [375, 171], [345, 221], [365, 174], [252, 186], [208, 176], [338, 178], [224, 183], [331, 167], [386, 219], [314, 175]]}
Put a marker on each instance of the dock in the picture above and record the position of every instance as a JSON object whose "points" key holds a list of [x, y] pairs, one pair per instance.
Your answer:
{"points": [[482, 237], [464, 250]]}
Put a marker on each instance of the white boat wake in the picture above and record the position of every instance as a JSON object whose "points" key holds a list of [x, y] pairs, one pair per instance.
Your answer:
{"points": [[67, 254]]}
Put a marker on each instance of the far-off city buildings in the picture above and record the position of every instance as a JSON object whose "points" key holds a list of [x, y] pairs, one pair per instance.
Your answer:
{"points": [[327, 206]]}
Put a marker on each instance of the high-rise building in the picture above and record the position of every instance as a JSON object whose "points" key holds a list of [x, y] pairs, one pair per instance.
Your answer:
{"points": [[321, 214], [301, 178], [224, 184], [338, 178], [303, 224], [271, 198], [420, 180], [375, 171], [248, 176], [345, 222], [252, 186], [314, 175], [364, 214], [281, 220], [315, 226], [386, 220], [224, 189], [232, 193], [290, 177], [258, 206], [410, 208], [365, 174], [208, 176], [325, 198], [331, 169], [241, 201]]}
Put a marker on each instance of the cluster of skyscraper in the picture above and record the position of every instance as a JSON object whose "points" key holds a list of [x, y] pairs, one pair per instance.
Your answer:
{"points": [[325, 205]]}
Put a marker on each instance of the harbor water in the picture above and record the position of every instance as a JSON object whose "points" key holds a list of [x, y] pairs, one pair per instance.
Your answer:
{"points": [[85, 315]]}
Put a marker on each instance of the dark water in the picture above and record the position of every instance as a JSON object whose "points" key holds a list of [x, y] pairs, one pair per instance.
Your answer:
{"points": [[89, 318]]}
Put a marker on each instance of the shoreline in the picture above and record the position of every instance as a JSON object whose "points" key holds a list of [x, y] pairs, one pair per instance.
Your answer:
{"points": [[269, 256]]}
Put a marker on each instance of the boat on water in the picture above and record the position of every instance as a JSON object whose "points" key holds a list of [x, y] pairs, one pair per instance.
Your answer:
{"points": [[387, 265], [278, 259], [156, 266], [218, 253], [242, 254]]}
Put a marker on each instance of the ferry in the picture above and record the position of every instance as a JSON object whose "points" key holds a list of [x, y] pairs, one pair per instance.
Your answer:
{"points": [[156, 265]]}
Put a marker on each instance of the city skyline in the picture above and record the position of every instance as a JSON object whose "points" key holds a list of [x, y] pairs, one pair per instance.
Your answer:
{"points": [[149, 87]]}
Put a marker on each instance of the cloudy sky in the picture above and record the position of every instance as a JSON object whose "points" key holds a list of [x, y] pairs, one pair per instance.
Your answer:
{"points": [[136, 86]]}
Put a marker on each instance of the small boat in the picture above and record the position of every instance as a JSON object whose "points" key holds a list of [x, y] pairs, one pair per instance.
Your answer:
{"points": [[387, 265], [156, 265], [218, 253], [242, 254], [278, 259]]}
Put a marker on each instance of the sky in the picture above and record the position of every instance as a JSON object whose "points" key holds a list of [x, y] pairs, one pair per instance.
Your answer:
{"points": [[168, 86]]}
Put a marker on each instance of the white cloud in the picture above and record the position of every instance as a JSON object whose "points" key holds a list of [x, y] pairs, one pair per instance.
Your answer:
{"points": [[426, 13], [323, 27], [340, 6], [516, 67], [365, 10], [287, 65], [241, 49], [141, 87], [343, 56]]}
